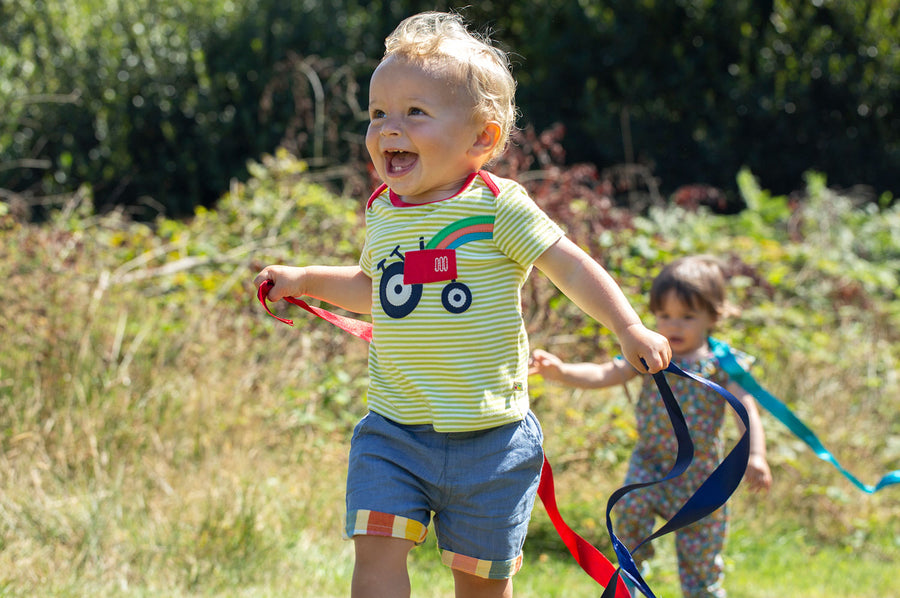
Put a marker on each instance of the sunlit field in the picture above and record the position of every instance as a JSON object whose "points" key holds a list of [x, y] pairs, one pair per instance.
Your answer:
{"points": [[162, 436]]}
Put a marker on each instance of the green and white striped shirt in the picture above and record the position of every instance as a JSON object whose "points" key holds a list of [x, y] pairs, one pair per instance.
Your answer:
{"points": [[449, 345]]}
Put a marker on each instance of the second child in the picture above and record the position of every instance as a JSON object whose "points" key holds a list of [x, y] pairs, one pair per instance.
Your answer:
{"points": [[688, 298]]}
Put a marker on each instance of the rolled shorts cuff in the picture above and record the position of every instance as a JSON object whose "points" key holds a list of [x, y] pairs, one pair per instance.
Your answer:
{"points": [[482, 568], [372, 523]]}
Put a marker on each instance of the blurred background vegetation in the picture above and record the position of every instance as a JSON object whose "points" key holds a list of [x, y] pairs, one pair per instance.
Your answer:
{"points": [[162, 436], [157, 105]]}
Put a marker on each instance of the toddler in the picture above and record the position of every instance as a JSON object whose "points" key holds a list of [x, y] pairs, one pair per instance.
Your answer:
{"points": [[688, 300], [449, 437]]}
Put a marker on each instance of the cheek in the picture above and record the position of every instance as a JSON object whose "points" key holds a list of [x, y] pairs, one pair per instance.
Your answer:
{"points": [[372, 143], [698, 333]]}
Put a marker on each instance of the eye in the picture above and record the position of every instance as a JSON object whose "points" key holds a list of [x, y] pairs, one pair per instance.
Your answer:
{"points": [[375, 113], [415, 110]]}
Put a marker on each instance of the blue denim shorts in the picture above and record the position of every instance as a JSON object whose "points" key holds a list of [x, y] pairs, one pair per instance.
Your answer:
{"points": [[480, 487]]}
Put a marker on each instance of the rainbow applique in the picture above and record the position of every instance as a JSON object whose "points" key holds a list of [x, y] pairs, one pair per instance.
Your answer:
{"points": [[474, 228]]}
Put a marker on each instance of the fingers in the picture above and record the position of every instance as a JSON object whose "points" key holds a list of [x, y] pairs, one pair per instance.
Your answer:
{"points": [[287, 281], [537, 362], [536, 367], [656, 362], [653, 360], [540, 361], [540, 356], [261, 278], [759, 477], [760, 485], [645, 350], [267, 274]]}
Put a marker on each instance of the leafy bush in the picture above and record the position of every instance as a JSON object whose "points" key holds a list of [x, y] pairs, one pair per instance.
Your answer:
{"points": [[164, 435], [698, 89], [157, 105]]}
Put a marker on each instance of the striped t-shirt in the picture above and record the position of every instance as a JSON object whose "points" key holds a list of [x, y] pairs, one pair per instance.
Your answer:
{"points": [[449, 346]]}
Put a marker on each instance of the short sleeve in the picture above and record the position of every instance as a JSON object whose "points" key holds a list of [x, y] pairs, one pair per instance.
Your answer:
{"points": [[522, 230]]}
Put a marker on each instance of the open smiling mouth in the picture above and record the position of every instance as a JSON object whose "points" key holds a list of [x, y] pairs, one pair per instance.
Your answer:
{"points": [[400, 162]]}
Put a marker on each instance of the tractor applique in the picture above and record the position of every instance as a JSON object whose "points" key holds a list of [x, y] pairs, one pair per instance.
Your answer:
{"points": [[402, 281]]}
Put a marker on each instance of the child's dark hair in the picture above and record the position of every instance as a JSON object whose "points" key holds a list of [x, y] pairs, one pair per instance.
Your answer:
{"points": [[696, 280]]}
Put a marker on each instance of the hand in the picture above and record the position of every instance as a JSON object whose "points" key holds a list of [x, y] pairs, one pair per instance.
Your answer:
{"points": [[758, 474], [640, 343], [544, 364], [288, 281]]}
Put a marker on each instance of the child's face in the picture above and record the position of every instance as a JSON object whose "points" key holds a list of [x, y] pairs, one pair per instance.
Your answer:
{"points": [[686, 327], [422, 137]]}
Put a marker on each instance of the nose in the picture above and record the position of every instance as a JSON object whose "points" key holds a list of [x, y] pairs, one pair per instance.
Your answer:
{"points": [[390, 127], [670, 326]]}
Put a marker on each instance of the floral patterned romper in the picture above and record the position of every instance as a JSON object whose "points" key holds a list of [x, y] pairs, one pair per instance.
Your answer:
{"points": [[698, 546]]}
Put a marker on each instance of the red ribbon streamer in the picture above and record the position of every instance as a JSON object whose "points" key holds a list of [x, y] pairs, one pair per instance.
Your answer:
{"points": [[586, 554], [355, 327]]}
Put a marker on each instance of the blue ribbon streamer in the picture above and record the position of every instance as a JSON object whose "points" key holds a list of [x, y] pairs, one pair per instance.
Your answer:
{"points": [[781, 412], [712, 493]]}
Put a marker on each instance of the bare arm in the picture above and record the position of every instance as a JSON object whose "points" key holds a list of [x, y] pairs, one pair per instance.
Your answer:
{"points": [[580, 375], [347, 287], [758, 474], [594, 291]]}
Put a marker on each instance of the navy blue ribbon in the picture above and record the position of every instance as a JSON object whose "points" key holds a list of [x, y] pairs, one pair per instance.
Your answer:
{"points": [[712, 493]]}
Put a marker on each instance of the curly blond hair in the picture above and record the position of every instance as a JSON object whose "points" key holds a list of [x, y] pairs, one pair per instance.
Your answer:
{"points": [[441, 41]]}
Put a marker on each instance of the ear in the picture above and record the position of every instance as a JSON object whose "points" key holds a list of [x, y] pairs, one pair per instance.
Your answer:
{"points": [[487, 139]]}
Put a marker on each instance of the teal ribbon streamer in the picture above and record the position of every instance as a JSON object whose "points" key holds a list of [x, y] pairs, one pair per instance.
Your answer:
{"points": [[781, 412]]}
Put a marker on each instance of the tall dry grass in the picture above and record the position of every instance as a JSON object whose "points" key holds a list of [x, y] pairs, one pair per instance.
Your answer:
{"points": [[163, 436]]}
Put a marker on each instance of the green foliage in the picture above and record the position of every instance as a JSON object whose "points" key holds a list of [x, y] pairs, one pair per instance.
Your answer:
{"points": [[159, 104], [698, 89], [164, 436], [156, 106]]}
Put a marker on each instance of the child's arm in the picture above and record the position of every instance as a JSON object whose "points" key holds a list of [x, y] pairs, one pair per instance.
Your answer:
{"points": [[758, 474], [580, 375], [347, 287], [592, 289]]}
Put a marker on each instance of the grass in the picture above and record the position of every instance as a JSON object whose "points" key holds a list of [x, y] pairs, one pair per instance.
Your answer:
{"points": [[163, 437]]}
